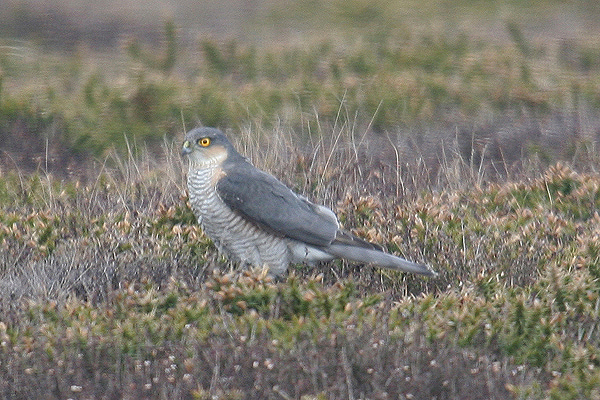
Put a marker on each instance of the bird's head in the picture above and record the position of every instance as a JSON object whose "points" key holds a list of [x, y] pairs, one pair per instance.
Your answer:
{"points": [[206, 147]]}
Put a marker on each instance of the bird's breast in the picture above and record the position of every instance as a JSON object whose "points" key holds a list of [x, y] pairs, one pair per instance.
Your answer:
{"points": [[232, 233]]}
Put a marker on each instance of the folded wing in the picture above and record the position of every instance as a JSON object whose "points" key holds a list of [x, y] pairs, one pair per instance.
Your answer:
{"points": [[265, 201]]}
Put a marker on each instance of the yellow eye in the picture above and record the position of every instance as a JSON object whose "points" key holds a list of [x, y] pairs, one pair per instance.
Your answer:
{"points": [[204, 142]]}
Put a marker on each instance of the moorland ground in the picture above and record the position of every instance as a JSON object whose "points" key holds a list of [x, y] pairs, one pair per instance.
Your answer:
{"points": [[461, 135]]}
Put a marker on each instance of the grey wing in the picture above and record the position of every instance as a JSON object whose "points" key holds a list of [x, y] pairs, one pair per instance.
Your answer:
{"points": [[269, 203]]}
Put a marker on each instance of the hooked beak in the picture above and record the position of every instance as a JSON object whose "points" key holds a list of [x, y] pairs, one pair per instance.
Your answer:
{"points": [[186, 149]]}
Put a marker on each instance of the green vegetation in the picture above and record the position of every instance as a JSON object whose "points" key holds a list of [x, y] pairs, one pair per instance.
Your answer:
{"points": [[378, 75], [471, 151], [114, 278]]}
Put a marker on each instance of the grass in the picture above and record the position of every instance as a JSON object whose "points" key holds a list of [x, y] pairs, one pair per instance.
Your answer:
{"points": [[109, 288], [86, 102], [477, 156]]}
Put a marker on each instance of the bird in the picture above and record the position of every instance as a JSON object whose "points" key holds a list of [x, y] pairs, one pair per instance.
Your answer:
{"points": [[254, 219]]}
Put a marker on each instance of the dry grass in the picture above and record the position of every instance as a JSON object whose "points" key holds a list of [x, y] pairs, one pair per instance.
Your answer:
{"points": [[109, 288], [476, 156]]}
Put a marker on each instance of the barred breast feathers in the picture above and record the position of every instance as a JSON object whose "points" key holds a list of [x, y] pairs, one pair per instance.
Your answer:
{"points": [[240, 239]]}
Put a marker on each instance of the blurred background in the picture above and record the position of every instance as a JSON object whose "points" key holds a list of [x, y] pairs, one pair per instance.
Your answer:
{"points": [[489, 82]]}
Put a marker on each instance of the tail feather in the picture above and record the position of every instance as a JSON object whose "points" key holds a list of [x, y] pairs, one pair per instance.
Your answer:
{"points": [[375, 256]]}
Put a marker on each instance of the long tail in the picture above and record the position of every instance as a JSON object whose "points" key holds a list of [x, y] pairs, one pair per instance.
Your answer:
{"points": [[353, 248], [379, 258]]}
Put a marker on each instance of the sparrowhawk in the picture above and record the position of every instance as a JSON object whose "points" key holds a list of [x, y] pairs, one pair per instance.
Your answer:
{"points": [[255, 219]]}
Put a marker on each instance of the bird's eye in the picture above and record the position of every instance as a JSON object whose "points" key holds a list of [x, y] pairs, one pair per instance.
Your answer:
{"points": [[204, 142]]}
